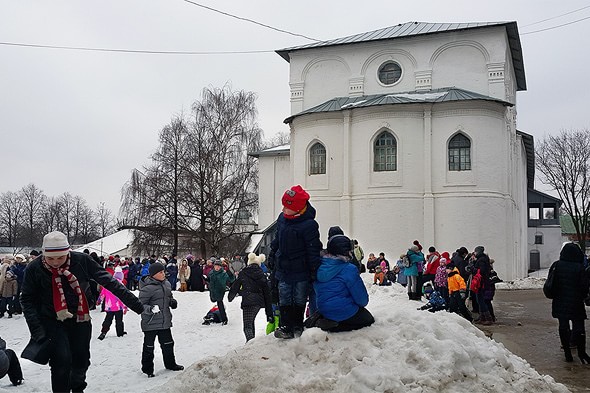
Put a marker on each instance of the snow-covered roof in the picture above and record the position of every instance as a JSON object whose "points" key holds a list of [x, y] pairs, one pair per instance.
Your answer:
{"points": [[272, 151], [111, 244]]}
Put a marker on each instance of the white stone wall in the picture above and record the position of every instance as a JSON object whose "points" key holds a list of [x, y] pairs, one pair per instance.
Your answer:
{"points": [[476, 60], [551, 247]]}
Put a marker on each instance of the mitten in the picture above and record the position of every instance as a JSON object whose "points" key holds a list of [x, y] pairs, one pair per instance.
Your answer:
{"points": [[155, 309], [173, 303]]}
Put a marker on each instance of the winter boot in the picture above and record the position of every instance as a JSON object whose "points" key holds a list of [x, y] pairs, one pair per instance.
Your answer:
{"points": [[285, 331], [564, 337], [297, 317], [581, 341], [102, 336], [312, 320]]}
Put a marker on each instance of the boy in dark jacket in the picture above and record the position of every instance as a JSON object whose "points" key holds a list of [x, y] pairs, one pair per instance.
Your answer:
{"points": [[252, 285], [155, 294], [218, 279], [295, 258]]}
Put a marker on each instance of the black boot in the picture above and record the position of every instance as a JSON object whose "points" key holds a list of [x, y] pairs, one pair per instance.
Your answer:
{"points": [[15, 373], [581, 342], [298, 314], [285, 331], [564, 337]]}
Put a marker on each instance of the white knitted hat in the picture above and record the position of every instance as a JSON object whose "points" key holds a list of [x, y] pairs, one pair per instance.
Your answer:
{"points": [[55, 244]]}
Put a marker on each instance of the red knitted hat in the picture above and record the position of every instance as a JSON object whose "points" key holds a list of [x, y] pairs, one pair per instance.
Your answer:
{"points": [[295, 198]]}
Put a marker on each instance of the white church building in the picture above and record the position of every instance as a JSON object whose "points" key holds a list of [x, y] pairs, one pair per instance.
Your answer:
{"points": [[409, 132]]}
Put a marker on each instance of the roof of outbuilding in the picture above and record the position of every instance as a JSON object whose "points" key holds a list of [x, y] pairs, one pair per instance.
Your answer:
{"points": [[445, 94], [410, 29]]}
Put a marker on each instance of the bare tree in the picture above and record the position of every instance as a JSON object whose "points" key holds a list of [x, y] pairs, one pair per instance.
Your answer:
{"points": [[564, 162], [281, 138], [11, 217], [201, 182], [104, 220], [224, 130], [155, 195], [34, 203]]}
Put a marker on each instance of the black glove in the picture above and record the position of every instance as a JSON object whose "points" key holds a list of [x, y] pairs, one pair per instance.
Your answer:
{"points": [[173, 303], [463, 294]]}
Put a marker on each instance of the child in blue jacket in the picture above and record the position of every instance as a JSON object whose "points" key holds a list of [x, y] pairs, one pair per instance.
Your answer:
{"points": [[341, 294]]}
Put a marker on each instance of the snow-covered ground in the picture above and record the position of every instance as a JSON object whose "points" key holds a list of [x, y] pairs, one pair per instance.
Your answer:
{"points": [[406, 350]]}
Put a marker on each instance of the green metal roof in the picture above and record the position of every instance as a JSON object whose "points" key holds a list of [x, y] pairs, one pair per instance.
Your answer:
{"points": [[410, 29], [567, 225], [446, 94]]}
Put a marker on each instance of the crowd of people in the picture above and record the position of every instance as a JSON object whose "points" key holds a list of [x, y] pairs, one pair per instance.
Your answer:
{"points": [[301, 285]]}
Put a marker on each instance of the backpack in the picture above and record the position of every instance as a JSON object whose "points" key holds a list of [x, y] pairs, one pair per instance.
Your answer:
{"points": [[548, 286], [476, 282], [406, 261]]}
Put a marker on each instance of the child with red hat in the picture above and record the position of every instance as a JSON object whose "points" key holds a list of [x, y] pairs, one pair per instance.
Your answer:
{"points": [[294, 259]]}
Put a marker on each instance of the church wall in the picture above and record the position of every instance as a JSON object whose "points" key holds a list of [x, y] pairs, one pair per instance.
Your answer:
{"points": [[274, 178], [473, 60]]}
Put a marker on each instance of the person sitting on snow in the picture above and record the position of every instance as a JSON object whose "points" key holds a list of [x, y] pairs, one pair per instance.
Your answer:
{"points": [[340, 292], [435, 301]]}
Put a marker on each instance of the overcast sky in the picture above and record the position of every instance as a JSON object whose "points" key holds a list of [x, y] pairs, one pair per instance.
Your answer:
{"points": [[80, 121]]}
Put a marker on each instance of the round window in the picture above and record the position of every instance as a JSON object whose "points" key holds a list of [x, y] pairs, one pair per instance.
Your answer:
{"points": [[389, 73]]}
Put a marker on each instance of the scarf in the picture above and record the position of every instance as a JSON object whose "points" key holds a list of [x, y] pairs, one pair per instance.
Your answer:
{"points": [[298, 214], [59, 300]]}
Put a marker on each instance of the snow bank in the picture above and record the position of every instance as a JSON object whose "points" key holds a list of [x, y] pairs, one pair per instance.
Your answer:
{"points": [[406, 350]]}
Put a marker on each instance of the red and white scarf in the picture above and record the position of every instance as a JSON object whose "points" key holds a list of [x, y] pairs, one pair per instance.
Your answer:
{"points": [[59, 300]]}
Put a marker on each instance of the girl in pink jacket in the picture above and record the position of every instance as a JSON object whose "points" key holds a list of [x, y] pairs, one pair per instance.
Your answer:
{"points": [[113, 307]]}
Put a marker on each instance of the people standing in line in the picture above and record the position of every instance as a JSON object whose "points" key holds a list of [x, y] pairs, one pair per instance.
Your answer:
{"points": [[218, 279], [55, 302], [196, 282], [415, 258], [172, 271], [184, 274], [490, 291], [294, 259], [570, 288], [420, 264], [432, 263], [18, 268], [8, 291], [155, 294], [134, 269], [113, 307], [482, 265], [253, 287], [399, 269], [457, 293], [341, 293]]}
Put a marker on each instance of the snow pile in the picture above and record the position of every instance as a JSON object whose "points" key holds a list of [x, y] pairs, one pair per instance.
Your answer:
{"points": [[405, 350], [535, 280]]}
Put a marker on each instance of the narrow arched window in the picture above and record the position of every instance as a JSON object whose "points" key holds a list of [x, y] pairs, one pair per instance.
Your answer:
{"points": [[385, 153], [317, 159], [459, 153]]}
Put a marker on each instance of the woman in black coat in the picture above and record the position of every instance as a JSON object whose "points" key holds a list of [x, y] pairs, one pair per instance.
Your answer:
{"points": [[570, 288], [196, 277]]}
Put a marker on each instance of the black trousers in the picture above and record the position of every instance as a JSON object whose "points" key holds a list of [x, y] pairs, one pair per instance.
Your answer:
{"points": [[6, 304], [108, 320], [457, 305], [69, 357], [167, 345], [222, 313], [359, 320]]}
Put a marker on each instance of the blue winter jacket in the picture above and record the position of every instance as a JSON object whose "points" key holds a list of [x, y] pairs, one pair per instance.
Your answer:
{"points": [[415, 258], [340, 291], [296, 247]]}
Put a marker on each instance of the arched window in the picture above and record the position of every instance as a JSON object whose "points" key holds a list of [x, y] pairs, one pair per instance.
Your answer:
{"points": [[317, 159], [459, 153], [385, 153]]}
